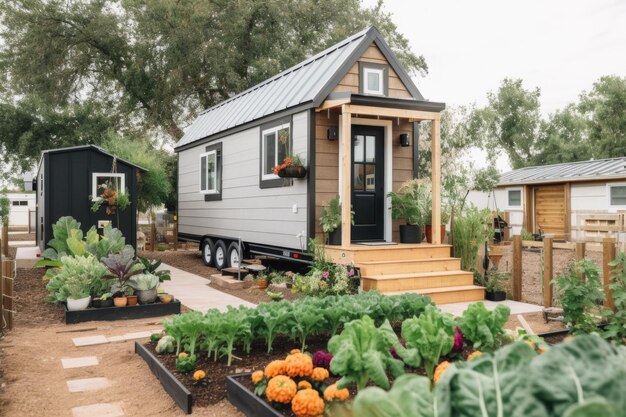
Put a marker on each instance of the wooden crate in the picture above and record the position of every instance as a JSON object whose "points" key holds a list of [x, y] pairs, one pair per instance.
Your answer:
{"points": [[595, 227]]}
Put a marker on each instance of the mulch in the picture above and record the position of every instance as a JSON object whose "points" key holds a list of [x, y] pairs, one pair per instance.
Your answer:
{"points": [[30, 291], [191, 261]]}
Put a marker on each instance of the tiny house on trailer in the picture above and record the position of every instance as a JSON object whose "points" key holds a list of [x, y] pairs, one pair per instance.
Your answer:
{"points": [[583, 201], [68, 177], [351, 113]]}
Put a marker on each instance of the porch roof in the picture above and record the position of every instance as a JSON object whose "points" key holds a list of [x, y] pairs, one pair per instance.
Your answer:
{"points": [[339, 99]]}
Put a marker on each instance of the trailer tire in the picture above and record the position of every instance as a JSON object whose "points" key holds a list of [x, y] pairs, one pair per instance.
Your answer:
{"points": [[207, 250], [234, 255], [219, 255]]}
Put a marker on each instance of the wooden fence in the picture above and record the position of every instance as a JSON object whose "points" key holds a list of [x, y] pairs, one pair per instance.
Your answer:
{"points": [[609, 250], [7, 274]]}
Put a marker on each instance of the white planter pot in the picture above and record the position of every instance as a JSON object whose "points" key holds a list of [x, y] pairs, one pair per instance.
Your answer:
{"points": [[80, 304]]}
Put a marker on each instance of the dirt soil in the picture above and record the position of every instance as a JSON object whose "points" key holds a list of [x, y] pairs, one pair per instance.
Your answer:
{"points": [[191, 261]]}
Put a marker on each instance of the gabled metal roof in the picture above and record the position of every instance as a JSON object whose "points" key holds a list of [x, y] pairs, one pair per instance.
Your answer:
{"points": [[304, 85], [85, 147], [614, 168]]}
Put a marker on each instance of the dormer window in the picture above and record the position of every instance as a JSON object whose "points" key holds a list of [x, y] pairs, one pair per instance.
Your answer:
{"points": [[374, 79]]}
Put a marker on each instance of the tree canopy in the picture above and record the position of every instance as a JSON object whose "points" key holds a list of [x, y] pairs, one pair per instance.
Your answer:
{"points": [[72, 69]]}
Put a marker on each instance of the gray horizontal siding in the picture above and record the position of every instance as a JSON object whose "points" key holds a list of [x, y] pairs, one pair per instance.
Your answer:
{"points": [[247, 211]]}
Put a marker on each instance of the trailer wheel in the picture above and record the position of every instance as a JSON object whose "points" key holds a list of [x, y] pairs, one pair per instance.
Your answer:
{"points": [[219, 253], [207, 252], [234, 257]]}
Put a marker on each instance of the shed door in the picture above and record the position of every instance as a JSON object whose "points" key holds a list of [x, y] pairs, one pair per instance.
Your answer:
{"points": [[550, 209]]}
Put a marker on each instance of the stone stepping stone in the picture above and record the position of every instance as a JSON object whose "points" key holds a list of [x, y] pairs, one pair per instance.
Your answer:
{"points": [[90, 340], [87, 384], [138, 335], [98, 410], [114, 339], [69, 363]]}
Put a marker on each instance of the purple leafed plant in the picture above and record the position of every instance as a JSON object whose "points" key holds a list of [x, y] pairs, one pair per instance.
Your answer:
{"points": [[322, 359], [458, 340], [393, 352]]}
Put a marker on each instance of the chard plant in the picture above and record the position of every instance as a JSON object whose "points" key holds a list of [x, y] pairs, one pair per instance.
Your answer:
{"points": [[361, 354], [272, 319], [428, 337], [482, 327], [232, 326], [306, 321], [174, 329], [191, 325]]}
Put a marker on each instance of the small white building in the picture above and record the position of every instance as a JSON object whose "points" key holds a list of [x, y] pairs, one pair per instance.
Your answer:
{"points": [[23, 207], [578, 201]]}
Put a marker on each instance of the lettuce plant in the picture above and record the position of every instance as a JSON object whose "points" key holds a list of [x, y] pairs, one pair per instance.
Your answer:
{"points": [[306, 321], [428, 337], [87, 268], [232, 326], [191, 325], [361, 353], [410, 396], [165, 345], [482, 327]]}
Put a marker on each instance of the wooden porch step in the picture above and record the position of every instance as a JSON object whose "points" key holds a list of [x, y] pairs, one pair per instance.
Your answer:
{"points": [[362, 253], [447, 295], [417, 280], [403, 266]]}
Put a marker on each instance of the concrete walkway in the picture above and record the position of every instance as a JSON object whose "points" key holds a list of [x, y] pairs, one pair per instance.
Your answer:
{"points": [[516, 307], [194, 292]]}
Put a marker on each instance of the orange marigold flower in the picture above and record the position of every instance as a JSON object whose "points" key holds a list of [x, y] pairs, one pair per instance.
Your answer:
{"points": [[293, 351], [319, 374], [332, 393], [440, 370], [257, 377], [275, 368], [183, 355], [541, 350], [281, 389], [304, 385], [307, 403], [298, 364], [198, 375], [531, 344], [474, 354]]}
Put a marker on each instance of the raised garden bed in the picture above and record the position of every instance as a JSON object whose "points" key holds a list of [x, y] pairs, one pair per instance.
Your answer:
{"points": [[170, 383], [245, 400], [140, 311]]}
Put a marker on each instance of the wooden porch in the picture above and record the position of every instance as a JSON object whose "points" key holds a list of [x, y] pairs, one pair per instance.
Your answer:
{"points": [[418, 268]]}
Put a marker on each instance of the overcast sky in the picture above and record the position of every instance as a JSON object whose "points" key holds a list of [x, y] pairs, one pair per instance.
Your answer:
{"points": [[559, 46]]}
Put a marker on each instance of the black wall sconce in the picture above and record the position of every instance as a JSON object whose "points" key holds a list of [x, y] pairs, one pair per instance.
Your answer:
{"points": [[404, 140], [333, 133]]}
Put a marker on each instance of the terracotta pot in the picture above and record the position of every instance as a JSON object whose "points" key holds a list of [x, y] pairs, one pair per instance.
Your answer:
{"points": [[120, 301], [429, 233], [166, 298], [132, 300], [262, 284]]}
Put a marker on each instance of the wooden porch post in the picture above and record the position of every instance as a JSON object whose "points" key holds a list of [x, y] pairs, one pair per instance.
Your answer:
{"points": [[436, 182], [346, 187]]}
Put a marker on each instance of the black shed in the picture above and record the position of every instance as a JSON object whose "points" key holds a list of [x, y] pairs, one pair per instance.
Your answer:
{"points": [[68, 177]]}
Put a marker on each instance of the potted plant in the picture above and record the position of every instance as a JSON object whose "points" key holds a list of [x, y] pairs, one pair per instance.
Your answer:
{"points": [[105, 300], [428, 217], [145, 286], [408, 204], [330, 220], [122, 267], [131, 297], [292, 167], [275, 296], [492, 282], [166, 298], [261, 280], [77, 287]]}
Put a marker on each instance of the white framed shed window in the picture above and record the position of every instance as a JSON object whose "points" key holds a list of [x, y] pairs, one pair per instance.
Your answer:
{"points": [[514, 197], [617, 195], [275, 143], [373, 81], [208, 172], [101, 181]]}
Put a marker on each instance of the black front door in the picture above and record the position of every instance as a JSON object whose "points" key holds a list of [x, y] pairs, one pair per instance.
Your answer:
{"points": [[368, 183]]}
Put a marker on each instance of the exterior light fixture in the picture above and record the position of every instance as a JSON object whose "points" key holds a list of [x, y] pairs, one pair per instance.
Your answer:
{"points": [[404, 140]]}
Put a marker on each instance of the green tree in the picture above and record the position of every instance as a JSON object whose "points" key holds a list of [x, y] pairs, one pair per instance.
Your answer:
{"points": [[153, 65], [604, 107], [510, 122], [5, 208], [154, 186]]}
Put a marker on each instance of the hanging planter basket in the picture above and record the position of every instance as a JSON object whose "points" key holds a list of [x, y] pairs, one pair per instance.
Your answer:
{"points": [[292, 172]]}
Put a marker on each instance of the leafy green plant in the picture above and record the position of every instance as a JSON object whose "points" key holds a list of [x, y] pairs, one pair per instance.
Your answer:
{"points": [[472, 229], [155, 337], [191, 325], [144, 282], [77, 286], [85, 267], [186, 364], [580, 299], [410, 396], [233, 325], [361, 353], [306, 321], [123, 266], [273, 320], [428, 337], [526, 235], [165, 345], [174, 329], [275, 296], [409, 203], [330, 217], [482, 327], [5, 209], [616, 320], [151, 268], [493, 279]]}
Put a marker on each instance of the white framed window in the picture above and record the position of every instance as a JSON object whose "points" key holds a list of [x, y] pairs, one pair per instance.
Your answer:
{"points": [[208, 172], [101, 181], [373, 81], [514, 197], [275, 142], [617, 195]]}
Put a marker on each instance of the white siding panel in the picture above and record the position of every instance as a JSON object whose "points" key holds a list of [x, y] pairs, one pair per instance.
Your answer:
{"points": [[247, 211]]}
